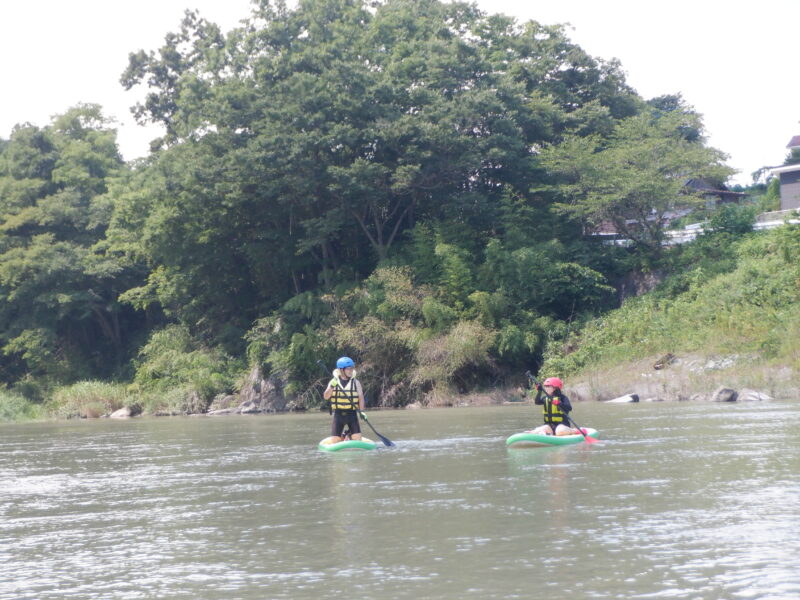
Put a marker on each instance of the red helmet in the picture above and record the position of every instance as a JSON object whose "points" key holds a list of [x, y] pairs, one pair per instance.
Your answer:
{"points": [[555, 382]]}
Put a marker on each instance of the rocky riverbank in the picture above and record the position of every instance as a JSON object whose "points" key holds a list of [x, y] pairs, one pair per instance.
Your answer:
{"points": [[669, 378], [729, 378]]}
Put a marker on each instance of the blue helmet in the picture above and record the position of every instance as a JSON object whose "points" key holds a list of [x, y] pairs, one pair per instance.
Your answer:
{"points": [[345, 362]]}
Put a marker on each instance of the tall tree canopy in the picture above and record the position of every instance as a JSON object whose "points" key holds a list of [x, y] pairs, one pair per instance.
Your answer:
{"points": [[635, 176], [59, 310], [301, 146]]}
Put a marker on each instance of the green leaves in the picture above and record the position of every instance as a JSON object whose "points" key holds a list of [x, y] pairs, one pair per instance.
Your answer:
{"points": [[750, 305], [172, 360], [733, 219], [632, 179], [58, 311]]}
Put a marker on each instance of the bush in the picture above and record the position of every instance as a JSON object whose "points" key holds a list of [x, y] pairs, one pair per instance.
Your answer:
{"points": [[438, 317], [181, 400], [172, 366], [32, 389], [88, 399], [14, 407], [733, 218], [451, 358], [752, 308]]}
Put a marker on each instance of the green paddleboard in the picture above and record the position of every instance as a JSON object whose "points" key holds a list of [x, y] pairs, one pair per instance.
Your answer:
{"points": [[362, 444], [526, 438]]}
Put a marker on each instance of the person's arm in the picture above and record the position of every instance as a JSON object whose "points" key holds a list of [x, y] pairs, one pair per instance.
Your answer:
{"points": [[538, 399], [361, 402], [564, 404]]}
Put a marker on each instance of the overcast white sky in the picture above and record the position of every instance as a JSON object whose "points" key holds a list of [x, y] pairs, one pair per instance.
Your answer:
{"points": [[734, 62]]}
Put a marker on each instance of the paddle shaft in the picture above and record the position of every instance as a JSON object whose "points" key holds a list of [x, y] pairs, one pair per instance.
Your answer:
{"points": [[566, 415]]}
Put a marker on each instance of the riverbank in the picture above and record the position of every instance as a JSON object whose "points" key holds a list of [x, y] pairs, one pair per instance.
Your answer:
{"points": [[668, 378], [690, 377]]}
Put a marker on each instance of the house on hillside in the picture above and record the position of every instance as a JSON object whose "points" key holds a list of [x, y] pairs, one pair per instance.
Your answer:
{"points": [[789, 176], [713, 194]]}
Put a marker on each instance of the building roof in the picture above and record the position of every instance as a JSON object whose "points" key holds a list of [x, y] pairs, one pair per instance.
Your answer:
{"points": [[794, 142], [786, 168]]}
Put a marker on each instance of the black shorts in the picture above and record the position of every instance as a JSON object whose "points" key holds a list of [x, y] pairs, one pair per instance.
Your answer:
{"points": [[348, 418]]}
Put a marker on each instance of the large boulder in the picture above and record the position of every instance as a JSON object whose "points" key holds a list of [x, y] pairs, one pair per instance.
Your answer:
{"points": [[217, 412], [262, 395], [223, 402], [748, 395], [627, 398], [126, 412], [724, 394]]}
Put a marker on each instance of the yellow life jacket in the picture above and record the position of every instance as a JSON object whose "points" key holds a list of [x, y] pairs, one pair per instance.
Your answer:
{"points": [[552, 412], [345, 396]]}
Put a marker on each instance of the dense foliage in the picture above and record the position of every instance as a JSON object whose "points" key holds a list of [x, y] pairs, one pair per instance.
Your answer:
{"points": [[408, 182], [60, 315], [727, 295]]}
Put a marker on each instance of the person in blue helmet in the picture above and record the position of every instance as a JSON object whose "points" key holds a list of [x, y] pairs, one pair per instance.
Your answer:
{"points": [[346, 400]]}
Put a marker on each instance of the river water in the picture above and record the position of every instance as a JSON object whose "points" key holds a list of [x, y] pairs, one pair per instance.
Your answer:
{"points": [[678, 501]]}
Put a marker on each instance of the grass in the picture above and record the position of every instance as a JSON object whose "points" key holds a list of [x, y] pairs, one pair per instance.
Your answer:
{"points": [[750, 314], [88, 399], [14, 407]]}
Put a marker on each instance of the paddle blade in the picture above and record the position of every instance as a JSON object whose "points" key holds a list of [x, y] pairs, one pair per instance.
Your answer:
{"points": [[589, 439], [386, 441]]}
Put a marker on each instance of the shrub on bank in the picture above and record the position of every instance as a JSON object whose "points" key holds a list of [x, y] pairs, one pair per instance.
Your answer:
{"points": [[181, 400], [176, 375], [446, 362], [88, 399], [753, 308], [14, 407]]}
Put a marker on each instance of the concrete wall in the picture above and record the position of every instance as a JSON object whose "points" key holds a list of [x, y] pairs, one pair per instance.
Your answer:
{"points": [[790, 190]]}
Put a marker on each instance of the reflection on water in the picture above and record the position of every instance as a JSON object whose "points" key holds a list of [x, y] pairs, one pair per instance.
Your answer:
{"points": [[681, 501]]}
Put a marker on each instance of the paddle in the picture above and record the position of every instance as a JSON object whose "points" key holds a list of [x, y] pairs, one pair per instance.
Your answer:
{"points": [[386, 441], [589, 440]]}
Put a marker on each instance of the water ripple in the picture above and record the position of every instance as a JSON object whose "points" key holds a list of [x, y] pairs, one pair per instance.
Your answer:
{"points": [[679, 501]]}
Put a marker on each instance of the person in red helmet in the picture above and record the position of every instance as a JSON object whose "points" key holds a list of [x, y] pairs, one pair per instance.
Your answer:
{"points": [[555, 408]]}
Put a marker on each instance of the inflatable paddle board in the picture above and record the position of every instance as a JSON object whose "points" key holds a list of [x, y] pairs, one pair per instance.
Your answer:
{"points": [[528, 439], [362, 444]]}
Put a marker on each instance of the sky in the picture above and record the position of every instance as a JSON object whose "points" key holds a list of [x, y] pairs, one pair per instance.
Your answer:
{"points": [[734, 62]]}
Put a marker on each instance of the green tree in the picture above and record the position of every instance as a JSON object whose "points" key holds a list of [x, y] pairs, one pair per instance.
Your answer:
{"points": [[733, 218], [59, 314], [634, 178], [302, 146]]}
